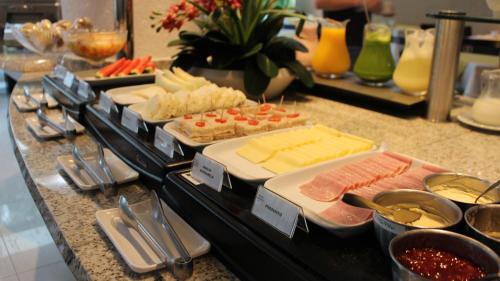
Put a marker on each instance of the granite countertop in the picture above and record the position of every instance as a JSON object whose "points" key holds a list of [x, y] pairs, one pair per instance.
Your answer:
{"points": [[70, 212]]}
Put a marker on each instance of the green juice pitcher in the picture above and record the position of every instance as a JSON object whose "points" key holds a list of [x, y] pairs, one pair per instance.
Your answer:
{"points": [[375, 64]]}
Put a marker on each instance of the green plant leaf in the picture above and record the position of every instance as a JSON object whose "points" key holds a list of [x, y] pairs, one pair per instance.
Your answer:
{"points": [[255, 80], [266, 65], [287, 42], [176, 42], [189, 36], [255, 49], [301, 72]]}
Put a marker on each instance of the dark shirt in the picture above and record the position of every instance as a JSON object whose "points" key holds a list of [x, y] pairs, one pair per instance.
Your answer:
{"points": [[354, 31]]}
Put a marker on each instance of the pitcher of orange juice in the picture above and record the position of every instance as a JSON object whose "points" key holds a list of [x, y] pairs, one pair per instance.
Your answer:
{"points": [[331, 58]]}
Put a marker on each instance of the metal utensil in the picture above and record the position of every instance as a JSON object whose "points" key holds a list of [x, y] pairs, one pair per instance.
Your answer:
{"points": [[101, 160], [27, 96], [82, 164], [400, 214], [130, 219], [68, 129], [491, 187], [182, 268]]}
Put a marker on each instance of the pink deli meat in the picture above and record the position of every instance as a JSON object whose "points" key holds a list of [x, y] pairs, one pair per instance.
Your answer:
{"points": [[331, 184], [342, 213]]}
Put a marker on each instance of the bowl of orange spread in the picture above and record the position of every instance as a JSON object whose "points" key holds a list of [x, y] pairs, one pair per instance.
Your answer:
{"points": [[432, 254]]}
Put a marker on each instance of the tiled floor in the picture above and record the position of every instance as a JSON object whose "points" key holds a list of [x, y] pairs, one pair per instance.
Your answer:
{"points": [[27, 251]]}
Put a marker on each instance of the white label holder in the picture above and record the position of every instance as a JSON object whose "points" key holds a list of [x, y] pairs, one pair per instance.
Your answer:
{"points": [[210, 172], [167, 143], [278, 212], [69, 79], [106, 103], [60, 71], [85, 91], [132, 120]]}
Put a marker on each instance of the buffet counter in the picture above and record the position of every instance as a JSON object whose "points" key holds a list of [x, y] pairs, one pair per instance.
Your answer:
{"points": [[70, 213]]}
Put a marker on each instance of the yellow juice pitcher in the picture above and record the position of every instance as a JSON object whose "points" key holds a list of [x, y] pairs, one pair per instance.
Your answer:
{"points": [[331, 58]]}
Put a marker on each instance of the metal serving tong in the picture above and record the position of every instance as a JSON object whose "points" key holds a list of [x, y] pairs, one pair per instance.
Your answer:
{"points": [[182, 267], [102, 176], [159, 236], [28, 97], [68, 129]]}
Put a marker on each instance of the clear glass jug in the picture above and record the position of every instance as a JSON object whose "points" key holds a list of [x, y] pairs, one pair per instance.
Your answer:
{"points": [[331, 59], [375, 64], [413, 71], [486, 108], [309, 38]]}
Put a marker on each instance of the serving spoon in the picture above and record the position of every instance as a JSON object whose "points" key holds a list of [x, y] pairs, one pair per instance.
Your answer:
{"points": [[491, 187], [400, 215]]}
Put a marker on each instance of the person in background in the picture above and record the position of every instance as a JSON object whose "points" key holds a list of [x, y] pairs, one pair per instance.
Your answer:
{"points": [[353, 10]]}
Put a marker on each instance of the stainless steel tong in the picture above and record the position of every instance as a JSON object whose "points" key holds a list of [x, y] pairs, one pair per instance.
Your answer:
{"points": [[182, 267], [28, 97], [68, 129], [102, 177], [159, 237]]}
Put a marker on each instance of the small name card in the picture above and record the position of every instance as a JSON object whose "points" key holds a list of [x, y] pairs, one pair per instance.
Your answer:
{"points": [[276, 211], [69, 79], [84, 89], [166, 143], [60, 72], [106, 103], [208, 171], [130, 120]]}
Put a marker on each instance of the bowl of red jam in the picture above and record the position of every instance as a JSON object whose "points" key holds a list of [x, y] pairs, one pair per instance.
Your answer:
{"points": [[441, 255]]}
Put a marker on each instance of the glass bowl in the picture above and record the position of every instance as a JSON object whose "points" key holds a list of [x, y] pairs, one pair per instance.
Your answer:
{"points": [[95, 45]]}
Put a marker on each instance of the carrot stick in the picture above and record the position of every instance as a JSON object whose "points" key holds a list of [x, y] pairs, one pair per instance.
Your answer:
{"points": [[122, 67], [129, 68], [150, 67], [107, 70], [139, 69]]}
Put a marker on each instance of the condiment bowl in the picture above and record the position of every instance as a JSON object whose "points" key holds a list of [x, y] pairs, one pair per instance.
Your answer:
{"points": [[473, 184], [386, 229], [457, 244], [483, 218]]}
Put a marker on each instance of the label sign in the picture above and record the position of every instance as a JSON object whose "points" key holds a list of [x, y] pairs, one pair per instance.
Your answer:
{"points": [[105, 102], [84, 89], [166, 143], [69, 79], [208, 171], [130, 120], [276, 211], [60, 71]]}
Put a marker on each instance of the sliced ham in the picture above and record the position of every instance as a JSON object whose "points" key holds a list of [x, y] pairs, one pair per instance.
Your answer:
{"points": [[342, 213]]}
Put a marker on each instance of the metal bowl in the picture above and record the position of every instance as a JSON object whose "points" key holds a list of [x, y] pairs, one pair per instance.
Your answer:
{"points": [[386, 229], [474, 184], [484, 218], [457, 244]]}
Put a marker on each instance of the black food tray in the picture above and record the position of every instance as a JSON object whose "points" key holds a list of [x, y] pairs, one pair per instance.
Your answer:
{"points": [[65, 96], [256, 251], [142, 156]]}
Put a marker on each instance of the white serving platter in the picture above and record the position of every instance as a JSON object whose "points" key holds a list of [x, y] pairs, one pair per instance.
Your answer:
{"points": [[134, 249], [465, 117], [120, 95], [121, 171], [287, 186], [224, 152], [47, 132], [22, 105]]}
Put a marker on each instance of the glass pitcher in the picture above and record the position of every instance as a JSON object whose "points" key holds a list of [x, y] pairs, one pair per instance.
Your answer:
{"points": [[413, 71], [375, 64], [331, 59], [309, 38], [486, 108]]}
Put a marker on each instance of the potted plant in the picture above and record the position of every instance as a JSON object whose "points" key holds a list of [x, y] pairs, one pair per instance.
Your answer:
{"points": [[237, 43]]}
